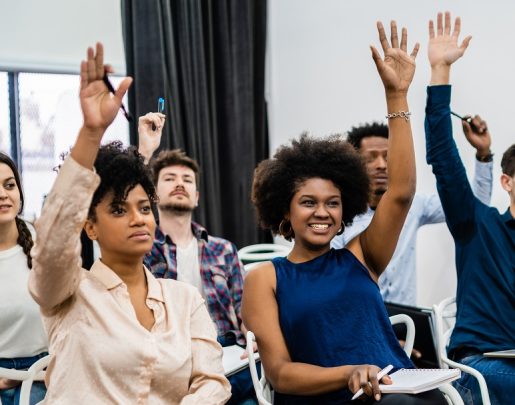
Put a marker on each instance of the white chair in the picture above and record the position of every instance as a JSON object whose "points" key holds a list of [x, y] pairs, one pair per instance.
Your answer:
{"points": [[263, 388], [445, 316], [27, 377], [262, 252]]}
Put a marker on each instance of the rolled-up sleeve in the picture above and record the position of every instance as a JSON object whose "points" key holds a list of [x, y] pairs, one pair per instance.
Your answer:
{"points": [[56, 255]]}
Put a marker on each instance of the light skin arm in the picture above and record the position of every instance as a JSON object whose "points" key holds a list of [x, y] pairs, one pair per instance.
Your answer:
{"points": [[56, 262], [396, 71], [150, 130], [443, 49], [261, 315]]}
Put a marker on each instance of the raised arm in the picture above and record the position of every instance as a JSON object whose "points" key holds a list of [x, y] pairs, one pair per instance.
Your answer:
{"points": [[150, 130], [376, 244], [478, 136], [455, 193], [56, 257]]}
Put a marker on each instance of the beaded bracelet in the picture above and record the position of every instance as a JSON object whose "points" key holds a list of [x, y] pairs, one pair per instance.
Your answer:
{"points": [[400, 114]]}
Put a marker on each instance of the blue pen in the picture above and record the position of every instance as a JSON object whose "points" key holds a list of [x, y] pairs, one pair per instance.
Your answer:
{"points": [[160, 109], [161, 105]]}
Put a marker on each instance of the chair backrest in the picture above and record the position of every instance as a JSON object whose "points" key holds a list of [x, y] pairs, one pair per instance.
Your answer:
{"points": [[262, 252], [410, 331], [445, 317], [27, 377], [263, 388]]}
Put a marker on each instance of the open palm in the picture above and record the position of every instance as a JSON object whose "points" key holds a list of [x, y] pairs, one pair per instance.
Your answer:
{"points": [[99, 107], [443, 48], [398, 67]]}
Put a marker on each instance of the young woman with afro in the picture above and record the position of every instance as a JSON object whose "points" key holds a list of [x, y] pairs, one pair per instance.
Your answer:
{"points": [[319, 320]]}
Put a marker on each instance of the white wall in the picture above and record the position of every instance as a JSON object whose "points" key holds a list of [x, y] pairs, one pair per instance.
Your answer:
{"points": [[52, 35], [322, 79]]}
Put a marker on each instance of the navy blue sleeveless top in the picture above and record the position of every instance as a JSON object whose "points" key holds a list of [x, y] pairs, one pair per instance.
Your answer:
{"points": [[331, 314]]}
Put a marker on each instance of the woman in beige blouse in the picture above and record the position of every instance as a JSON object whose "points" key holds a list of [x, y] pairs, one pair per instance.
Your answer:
{"points": [[117, 335]]}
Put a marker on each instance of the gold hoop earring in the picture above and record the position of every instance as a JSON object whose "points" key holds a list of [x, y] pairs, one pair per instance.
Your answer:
{"points": [[286, 233], [341, 230]]}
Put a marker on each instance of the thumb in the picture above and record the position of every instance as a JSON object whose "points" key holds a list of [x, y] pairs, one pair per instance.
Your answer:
{"points": [[122, 88], [386, 380], [377, 58]]}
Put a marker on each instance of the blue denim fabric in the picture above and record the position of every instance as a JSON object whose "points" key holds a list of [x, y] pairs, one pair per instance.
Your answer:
{"points": [[241, 382], [500, 379], [12, 395]]}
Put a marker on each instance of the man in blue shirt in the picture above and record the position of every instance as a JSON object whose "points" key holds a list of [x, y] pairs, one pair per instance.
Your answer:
{"points": [[484, 238]]}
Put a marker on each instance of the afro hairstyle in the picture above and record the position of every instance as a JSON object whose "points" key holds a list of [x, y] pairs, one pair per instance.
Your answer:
{"points": [[276, 180], [120, 170]]}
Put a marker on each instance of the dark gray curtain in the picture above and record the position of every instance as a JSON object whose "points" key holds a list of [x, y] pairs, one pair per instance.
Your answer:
{"points": [[207, 59]]}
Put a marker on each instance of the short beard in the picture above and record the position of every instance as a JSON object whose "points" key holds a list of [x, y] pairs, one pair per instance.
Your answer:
{"points": [[175, 208]]}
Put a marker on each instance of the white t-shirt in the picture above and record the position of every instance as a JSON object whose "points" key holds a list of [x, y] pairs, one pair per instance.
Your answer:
{"points": [[188, 265], [21, 329]]}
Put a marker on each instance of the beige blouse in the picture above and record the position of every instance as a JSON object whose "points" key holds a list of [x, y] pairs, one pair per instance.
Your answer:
{"points": [[101, 354]]}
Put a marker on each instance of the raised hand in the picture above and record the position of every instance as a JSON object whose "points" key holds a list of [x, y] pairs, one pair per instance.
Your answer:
{"points": [[150, 129], [477, 134], [397, 68], [99, 107], [443, 49]]}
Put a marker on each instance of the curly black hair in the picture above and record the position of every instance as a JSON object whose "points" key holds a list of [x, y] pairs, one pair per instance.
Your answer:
{"points": [[356, 134], [120, 170], [276, 180], [508, 161]]}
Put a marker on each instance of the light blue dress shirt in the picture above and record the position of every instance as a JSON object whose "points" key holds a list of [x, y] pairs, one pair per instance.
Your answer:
{"points": [[398, 283]]}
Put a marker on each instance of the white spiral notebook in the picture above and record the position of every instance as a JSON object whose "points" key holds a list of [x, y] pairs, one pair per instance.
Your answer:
{"points": [[414, 381]]}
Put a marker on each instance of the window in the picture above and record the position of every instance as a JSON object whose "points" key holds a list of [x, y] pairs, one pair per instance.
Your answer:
{"points": [[5, 127], [50, 118]]}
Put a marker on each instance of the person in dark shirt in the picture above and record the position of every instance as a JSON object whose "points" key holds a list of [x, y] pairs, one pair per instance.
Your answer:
{"points": [[484, 238]]}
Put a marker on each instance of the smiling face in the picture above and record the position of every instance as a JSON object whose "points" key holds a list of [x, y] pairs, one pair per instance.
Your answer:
{"points": [[177, 189], [123, 229], [10, 200], [316, 213], [374, 150]]}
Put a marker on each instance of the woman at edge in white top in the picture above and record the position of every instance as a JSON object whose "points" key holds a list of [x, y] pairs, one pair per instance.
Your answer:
{"points": [[117, 335], [22, 337]]}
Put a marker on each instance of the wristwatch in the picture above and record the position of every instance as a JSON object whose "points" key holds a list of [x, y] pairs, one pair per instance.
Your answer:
{"points": [[489, 157]]}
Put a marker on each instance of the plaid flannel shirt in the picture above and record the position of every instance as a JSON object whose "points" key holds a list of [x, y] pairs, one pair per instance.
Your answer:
{"points": [[221, 273]]}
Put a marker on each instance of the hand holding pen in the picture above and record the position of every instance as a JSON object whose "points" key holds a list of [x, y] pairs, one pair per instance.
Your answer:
{"points": [[477, 134], [150, 130], [366, 378]]}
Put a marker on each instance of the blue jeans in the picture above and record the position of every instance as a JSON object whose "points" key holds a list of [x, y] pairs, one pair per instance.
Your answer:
{"points": [[241, 383], [12, 395], [499, 376]]}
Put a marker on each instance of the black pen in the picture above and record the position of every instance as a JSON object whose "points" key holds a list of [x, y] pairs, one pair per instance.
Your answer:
{"points": [[111, 89], [468, 120]]}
